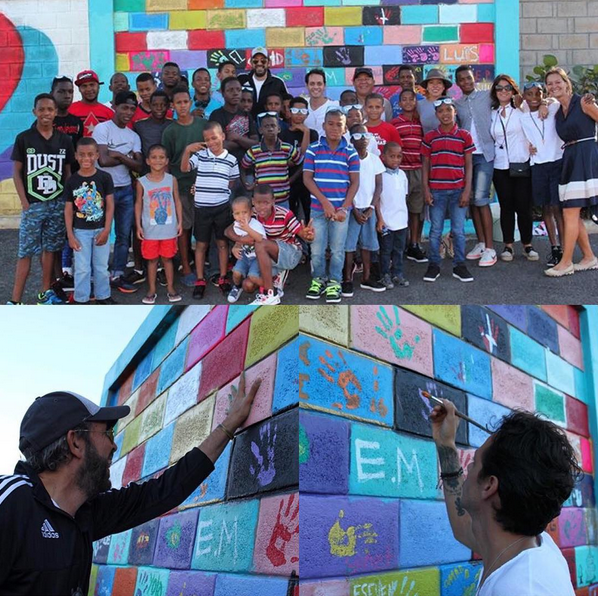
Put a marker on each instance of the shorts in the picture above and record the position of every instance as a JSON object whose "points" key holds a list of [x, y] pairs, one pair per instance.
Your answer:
{"points": [[208, 219], [152, 249], [42, 229], [289, 256], [482, 179], [247, 266], [545, 183], [188, 205], [415, 195], [366, 233]]}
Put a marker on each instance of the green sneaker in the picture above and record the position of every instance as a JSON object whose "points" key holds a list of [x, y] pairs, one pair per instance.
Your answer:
{"points": [[315, 290], [333, 292]]}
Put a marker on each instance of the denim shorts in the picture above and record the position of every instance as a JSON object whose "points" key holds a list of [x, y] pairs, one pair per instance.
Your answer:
{"points": [[366, 233], [247, 266], [42, 228], [482, 179], [288, 257]]}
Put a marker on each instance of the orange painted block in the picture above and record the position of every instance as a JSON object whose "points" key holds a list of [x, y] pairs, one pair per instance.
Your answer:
{"points": [[202, 4], [456, 53]]}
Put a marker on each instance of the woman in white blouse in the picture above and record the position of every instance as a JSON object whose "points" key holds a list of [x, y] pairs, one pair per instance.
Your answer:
{"points": [[511, 146]]}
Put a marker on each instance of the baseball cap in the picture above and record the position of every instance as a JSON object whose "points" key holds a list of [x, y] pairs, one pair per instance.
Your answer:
{"points": [[87, 75], [124, 96], [360, 71], [259, 50], [52, 415]]}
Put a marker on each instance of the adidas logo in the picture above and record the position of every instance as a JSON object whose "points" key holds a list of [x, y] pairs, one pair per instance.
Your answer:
{"points": [[48, 531]]}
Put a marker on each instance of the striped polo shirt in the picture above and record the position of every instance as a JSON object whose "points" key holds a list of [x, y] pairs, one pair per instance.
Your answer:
{"points": [[272, 167], [412, 134], [214, 172], [282, 225], [446, 151], [331, 170]]}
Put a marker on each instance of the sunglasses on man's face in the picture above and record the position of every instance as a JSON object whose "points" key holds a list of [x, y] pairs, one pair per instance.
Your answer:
{"points": [[303, 111], [504, 88], [357, 136]]}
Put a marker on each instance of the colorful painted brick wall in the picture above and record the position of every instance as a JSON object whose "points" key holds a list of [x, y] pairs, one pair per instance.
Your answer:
{"points": [[237, 534], [372, 518]]}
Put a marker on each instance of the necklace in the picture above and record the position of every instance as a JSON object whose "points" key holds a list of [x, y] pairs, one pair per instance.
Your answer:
{"points": [[537, 127], [487, 570]]}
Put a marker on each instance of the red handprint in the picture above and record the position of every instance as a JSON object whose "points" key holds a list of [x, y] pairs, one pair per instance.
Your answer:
{"points": [[287, 524]]}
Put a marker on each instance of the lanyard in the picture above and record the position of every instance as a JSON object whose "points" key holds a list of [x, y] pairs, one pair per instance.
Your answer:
{"points": [[537, 127]]}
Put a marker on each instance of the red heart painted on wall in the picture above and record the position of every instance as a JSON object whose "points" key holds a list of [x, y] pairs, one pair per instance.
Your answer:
{"points": [[12, 59]]}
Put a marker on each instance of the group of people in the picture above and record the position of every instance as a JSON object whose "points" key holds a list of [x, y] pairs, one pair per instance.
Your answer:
{"points": [[264, 181]]}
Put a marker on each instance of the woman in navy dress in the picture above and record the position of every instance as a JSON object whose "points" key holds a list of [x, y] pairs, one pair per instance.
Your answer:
{"points": [[576, 125]]}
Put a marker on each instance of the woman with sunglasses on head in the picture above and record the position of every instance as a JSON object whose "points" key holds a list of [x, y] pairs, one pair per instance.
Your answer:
{"points": [[576, 125], [511, 177], [436, 85]]}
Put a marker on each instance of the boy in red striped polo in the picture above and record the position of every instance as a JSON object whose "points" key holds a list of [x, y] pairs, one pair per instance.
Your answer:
{"points": [[447, 172]]}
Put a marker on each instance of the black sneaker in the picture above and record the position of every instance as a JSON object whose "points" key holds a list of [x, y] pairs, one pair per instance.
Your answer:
{"points": [[199, 289], [462, 273], [214, 279], [161, 277], [555, 256], [118, 283], [108, 300], [347, 289], [373, 285], [67, 282], [375, 272], [432, 273], [415, 253], [59, 291], [136, 277]]}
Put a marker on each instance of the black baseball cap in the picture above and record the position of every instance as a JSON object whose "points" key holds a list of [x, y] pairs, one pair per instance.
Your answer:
{"points": [[124, 97], [363, 70], [52, 415]]}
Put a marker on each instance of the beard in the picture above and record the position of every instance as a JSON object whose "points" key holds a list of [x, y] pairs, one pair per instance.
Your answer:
{"points": [[93, 476]]}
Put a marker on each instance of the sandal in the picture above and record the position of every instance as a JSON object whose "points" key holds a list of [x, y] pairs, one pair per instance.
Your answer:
{"points": [[174, 297], [149, 299]]}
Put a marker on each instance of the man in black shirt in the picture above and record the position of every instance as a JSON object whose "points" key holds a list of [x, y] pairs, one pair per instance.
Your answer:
{"points": [[59, 500]]}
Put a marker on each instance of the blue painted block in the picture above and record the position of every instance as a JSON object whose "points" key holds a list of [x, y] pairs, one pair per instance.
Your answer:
{"points": [[173, 367], [175, 540], [527, 354], [105, 581], [191, 583], [460, 579], [286, 387], [323, 454], [143, 21], [486, 412], [560, 373], [237, 313], [378, 55], [237, 38], [190, 59], [581, 385], [419, 15], [543, 328], [355, 36], [119, 548], [165, 343], [100, 550], [118, 441], [346, 383], [293, 77], [152, 581], [157, 451], [143, 543], [245, 585], [514, 314], [226, 536], [214, 486], [303, 57], [321, 2], [143, 370], [486, 13], [429, 519], [458, 13], [460, 364]]}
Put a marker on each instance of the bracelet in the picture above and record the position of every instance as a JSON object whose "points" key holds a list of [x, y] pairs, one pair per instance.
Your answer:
{"points": [[343, 209], [231, 436], [456, 474]]}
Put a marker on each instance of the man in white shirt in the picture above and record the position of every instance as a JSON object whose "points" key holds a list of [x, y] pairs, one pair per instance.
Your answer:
{"points": [[515, 485], [315, 81]]}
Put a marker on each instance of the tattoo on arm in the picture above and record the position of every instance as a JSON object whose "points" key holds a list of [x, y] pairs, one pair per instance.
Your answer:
{"points": [[449, 462]]}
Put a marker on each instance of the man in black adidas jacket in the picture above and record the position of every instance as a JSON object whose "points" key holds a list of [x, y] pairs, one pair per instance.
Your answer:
{"points": [[59, 502]]}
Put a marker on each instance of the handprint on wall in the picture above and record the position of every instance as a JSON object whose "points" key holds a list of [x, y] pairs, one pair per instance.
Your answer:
{"points": [[391, 330], [345, 378], [286, 526], [264, 466], [344, 543]]}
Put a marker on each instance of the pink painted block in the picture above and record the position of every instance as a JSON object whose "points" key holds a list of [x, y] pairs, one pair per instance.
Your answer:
{"points": [[283, 3], [575, 441], [559, 312], [577, 416], [206, 335], [587, 463], [572, 527], [376, 71], [486, 53], [134, 465], [570, 347], [402, 34], [262, 404], [511, 387], [276, 550], [324, 36], [574, 321], [393, 335], [333, 587]]}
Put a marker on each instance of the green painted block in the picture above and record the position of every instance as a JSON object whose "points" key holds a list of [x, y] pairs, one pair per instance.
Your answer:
{"points": [[270, 328], [445, 317], [419, 581], [152, 418], [440, 34], [121, 21], [328, 322], [129, 5], [131, 439], [549, 402]]}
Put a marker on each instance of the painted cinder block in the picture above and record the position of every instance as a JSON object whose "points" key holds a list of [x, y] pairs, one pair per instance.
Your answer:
{"points": [[134, 467], [445, 317], [203, 4], [335, 77], [165, 343], [560, 374], [286, 388], [303, 57], [574, 321], [527, 354], [265, 457], [143, 543], [173, 40], [147, 392], [250, 37], [487, 413], [125, 579], [591, 521], [245, 585], [189, 319], [572, 527], [511, 387], [343, 56], [302, 16], [549, 402], [383, 54], [459, 579], [419, 15], [172, 368], [577, 416], [416, 581], [100, 550], [582, 389], [226, 19], [225, 537], [242, 3], [105, 581], [236, 314], [206, 335], [543, 328], [428, 54], [285, 38], [270, 328], [458, 13], [345, 16], [118, 552], [458, 363], [150, 60], [583, 494], [152, 581], [143, 370], [125, 390], [512, 313], [129, 5], [412, 409], [586, 564], [141, 21], [340, 381], [175, 540], [334, 587], [323, 454], [131, 436], [389, 464], [190, 583], [440, 34], [157, 451], [587, 459], [570, 347], [183, 394], [117, 470], [130, 42], [476, 33], [344, 536], [271, 17], [192, 428], [484, 329], [187, 19], [559, 312], [569, 555], [322, 36], [402, 34], [276, 549], [430, 519], [189, 60], [152, 418], [355, 36], [381, 15]]}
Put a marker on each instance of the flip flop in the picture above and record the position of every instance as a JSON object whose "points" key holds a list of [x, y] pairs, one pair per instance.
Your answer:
{"points": [[149, 299], [174, 297]]}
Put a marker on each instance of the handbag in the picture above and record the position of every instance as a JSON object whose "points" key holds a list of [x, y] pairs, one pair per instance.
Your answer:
{"points": [[517, 169]]}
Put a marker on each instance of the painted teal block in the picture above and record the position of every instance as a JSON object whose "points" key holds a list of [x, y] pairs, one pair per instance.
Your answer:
{"points": [[303, 57], [460, 579], [152, 581], [527, 354], [458, 13], [460, 364], [143, 370], [157, 451], [344, 382], [214, 486], [550, 403], [362, 2], [143, 21], [118, 554], [225, 537], [581, 385], [239, 38], [419, 15], [586, 558], [388, 464], [486, 13], [237, 314], [355, 36], [129, 5], [560, 374], [321, 2], [335, 77], [173, 367], [286, 387], [166, 342], [379, 55], [440, 34], [245, 585], [121, 21]]}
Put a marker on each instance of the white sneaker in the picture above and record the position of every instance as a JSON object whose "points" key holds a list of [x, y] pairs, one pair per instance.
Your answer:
{"points": [[271, 297], [234, 294], [530, 254], [477, 252], [488, 258], [506, 254]]}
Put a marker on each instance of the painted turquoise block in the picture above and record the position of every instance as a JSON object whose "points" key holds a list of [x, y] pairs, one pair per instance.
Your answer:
{"points": [[105, 581], [121, 21], [173, 367], [129, 5], [487, 413], [321, 2], [143, 371], [379, 55], [362, 2], [560, 373], [286, 387], [344, 382], [142, 21], [549, 402], [461, 365], [118, 441], [440, 34], [243, 3], [118, 554], [586, 564], [581, 388], [152, 581], [239, 38], [486, 13], [157, 451], [458, 13], [388, 464], [370, 36], [527, 354], [225, 537], [335, 77], [165, 343], [235, 585], [237, 314], [419, 15], [459, 579], [306, 57]]}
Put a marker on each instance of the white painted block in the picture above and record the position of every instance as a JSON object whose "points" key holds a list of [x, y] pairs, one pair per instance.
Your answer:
{"points": [[167, 40], [265, 17]]}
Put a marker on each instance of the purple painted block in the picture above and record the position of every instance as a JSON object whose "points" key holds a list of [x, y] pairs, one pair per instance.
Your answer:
{"points": [[189, 59], [345, 536], [543, 328], [293, 77], [572, 527], [190, 583], [513, 313], [246, 585], [143, 543], [421, 54], [101, 549], [175, 540]]}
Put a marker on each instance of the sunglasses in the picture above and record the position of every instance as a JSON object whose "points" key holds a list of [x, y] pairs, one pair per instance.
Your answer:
{"points": [[303, 111], [109, 432], [259, 61], [335, 110], [355, 106], [358, 136], [61, 79], [264, 114], [447, 101], [504, 88], [533, 84]]}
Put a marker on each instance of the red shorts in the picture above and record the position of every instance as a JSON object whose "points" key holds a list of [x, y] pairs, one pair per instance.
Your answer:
{"points": [[152, 249]]}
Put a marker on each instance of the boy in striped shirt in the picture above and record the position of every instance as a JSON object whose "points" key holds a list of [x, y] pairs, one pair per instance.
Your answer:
{"points": [[217, 171]]}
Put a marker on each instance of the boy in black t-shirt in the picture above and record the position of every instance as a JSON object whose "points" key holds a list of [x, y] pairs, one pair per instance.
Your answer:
{"points": [[151, 129], [88, 212], [42, 158]]}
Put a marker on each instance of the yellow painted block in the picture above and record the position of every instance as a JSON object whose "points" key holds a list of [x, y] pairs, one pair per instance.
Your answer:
{"points": [[289, 37], [165, 5], [131, 438], [187, 20], [226, 19], [342, 15], [270, 329], [9, 200], [122, 63], [329, 322], [447, 317], [192, 428]]}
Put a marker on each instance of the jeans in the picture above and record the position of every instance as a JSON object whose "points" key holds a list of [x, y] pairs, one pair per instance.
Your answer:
{"points": [[124, 214], [90, 258], [482, 179], [392, 247], [335, 234], [443, 200]]}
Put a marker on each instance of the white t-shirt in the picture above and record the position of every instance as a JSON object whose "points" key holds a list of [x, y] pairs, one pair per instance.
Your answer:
{"points": [[254, 224], [258, 85], [372, 145], [123, 140], [393, 201], [474, 135], [369, 167], [542, 135], [517, 142], [315, 118], [533, 572]]}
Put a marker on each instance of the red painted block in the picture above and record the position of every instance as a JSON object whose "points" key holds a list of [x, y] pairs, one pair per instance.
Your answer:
{"points": [[206, 335], [476, 33], [130, 42], [587, 463], [147, 392], [305, 16], [558, 312], [577, 416], [124, 392], [125, 579], [134, 465], [573, 321], [205, 40]]}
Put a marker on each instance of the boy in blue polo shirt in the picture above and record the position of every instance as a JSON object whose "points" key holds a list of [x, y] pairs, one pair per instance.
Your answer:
{"points": [[331, 175]]}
